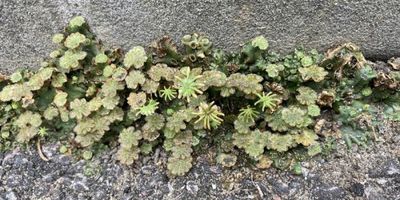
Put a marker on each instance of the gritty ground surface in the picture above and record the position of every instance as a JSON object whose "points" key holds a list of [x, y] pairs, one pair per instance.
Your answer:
{"points": [[26, 27], [372, 173]]}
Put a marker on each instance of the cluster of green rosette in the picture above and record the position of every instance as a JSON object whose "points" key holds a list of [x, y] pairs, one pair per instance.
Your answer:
{"points": [[276, 109]]}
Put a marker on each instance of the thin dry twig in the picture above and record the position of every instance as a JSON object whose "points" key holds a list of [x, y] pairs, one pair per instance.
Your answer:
{"points": [[39, 148]]}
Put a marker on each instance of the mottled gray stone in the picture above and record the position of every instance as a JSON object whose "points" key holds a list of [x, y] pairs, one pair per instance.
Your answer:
{"points": [[64, 177], [26, 26]]}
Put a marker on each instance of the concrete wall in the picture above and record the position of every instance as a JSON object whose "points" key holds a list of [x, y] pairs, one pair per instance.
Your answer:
{"points": [[26, 26]]}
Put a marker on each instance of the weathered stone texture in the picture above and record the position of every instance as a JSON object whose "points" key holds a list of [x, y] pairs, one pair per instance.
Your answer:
{"points": [[26, 26]]}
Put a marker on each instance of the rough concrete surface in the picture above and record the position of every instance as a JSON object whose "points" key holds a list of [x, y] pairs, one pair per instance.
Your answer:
{"points": [[26, 26], [372, 173]]}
